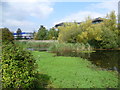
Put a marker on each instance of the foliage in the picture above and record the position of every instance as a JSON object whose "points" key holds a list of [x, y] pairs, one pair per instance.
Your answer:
{"points": [[18, 67], [69, 32], [22, 44], [6, 35], [63, 48], [52, 34], [100, 35], [19, 35], [74, 72], [111, 21], [34, 45], [35, 36], [109, 39], [42, 33]]}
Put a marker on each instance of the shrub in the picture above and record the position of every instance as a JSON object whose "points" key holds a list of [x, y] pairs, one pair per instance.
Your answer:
{"points": [[6, 35], [18, 67]]}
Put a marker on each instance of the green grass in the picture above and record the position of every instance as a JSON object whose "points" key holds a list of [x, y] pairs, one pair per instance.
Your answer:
{"points": [[74, 72]]}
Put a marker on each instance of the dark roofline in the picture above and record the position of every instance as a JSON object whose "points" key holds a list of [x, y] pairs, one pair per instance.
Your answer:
{"points": [[93, 21], [61, 24]]}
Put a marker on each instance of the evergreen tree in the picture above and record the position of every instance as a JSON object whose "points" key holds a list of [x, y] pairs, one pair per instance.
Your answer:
{"points": [[19, 35], [42, 33]]}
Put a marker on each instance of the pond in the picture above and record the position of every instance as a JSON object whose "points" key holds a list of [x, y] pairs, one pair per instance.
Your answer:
{"points": [[105, 59]]}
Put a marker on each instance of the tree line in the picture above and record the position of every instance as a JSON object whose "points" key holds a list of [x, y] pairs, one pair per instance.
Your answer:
{"points": [[100, 35], [103, 35], [44, 34], [41, 34]]}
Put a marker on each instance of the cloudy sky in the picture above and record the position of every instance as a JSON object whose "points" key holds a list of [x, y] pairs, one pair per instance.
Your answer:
{"points": [[30, 14]]}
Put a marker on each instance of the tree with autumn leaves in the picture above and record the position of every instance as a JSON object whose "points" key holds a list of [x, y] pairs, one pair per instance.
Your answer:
{"points": [[100, 35]]}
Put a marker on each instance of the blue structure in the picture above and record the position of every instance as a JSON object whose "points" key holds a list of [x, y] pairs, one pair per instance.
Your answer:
{"points": [[23, 35]]}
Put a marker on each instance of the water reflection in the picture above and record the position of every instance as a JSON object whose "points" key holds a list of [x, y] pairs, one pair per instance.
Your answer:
{"points": [[106, 59]]}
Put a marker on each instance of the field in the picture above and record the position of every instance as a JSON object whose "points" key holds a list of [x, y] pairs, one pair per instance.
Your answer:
{"points": [[73, 72]]}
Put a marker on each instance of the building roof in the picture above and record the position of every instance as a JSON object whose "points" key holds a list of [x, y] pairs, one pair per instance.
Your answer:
{"points": [[62, 24], [96, 20]]}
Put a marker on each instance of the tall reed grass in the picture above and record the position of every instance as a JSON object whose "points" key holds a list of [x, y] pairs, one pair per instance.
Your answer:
{"points": [[69, 48], [59, 48]]}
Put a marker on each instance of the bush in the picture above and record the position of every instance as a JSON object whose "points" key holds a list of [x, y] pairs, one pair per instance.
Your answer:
{"points": [[6, 35], [18, 67]]}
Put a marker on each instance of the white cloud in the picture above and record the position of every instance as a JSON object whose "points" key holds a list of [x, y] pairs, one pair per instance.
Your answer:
{"points": [[108, 5], [104, 5], [21, 13], [79, 16], [12, 22], [25, 25], [36, 9]]}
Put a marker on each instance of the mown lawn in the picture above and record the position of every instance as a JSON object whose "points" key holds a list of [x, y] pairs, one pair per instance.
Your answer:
{"points": [[74, 72]]}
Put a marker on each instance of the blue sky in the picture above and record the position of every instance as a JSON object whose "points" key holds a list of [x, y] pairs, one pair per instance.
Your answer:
{"points": [[31, 14]]}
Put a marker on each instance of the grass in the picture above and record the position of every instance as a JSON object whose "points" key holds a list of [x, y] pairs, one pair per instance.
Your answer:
{"points": [[69, 47], [74, 72]]}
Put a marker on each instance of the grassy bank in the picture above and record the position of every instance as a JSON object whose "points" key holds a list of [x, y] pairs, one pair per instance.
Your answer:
{"points": [[73, 72]]}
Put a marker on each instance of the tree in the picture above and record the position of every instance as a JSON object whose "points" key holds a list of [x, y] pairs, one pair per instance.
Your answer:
{"points": [[42, 33], [69, 32], [52, 34], [19, 35], [109, 39], [35, 36], [6, 35], [111, 21]]}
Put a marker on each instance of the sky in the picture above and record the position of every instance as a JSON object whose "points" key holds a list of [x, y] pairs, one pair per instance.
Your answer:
{"points": [[28, 15]]}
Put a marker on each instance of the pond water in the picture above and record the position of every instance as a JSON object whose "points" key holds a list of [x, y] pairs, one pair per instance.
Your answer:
{"points": [[105, 59]]}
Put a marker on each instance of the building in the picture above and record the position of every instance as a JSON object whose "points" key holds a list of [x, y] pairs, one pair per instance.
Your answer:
{"points": [[23, 35], [95, 21]]}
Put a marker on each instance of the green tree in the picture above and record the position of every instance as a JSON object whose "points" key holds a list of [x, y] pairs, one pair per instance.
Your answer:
{"points": [[111, 21], [42, 33], [109, 39], [52, 34], [6, 35], [69, 32], [19, 35], [100, 35]]}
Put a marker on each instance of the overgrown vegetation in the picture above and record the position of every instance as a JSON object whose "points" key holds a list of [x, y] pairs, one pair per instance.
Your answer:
{"points": [[18, 66], [64, 48], [34, 45], [74, 72], [56, 47], [100, 35]]}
